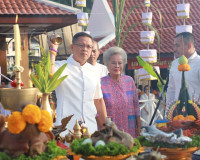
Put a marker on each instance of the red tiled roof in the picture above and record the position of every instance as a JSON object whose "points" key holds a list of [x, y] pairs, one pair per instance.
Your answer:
{"points": [[132, 42], [29, 7], [38, 16]]}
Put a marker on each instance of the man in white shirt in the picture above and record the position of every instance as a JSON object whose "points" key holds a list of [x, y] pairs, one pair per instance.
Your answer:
{"points": [[148, 109], [80, 93], [103, 71], [184, 45]]}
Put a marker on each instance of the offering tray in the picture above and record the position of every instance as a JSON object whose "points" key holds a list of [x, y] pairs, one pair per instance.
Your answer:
{"points": [[92, 157], [189, 127], [178, 153], [118, 157]]}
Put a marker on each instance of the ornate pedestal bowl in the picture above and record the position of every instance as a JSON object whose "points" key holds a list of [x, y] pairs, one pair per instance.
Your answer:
{"points": [[12, 98]]}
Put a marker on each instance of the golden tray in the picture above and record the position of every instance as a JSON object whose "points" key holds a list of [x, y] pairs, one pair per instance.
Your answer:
{"points": [[92, 157], [178, 153]]}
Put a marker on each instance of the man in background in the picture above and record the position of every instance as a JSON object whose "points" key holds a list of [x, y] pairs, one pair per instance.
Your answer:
{"points": [[103, 71], [184, 45], [148, 109]]}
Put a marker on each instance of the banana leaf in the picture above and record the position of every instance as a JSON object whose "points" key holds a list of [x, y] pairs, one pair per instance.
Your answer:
{"points": [[56, 75], [124, 36], [149, 68], [118, 11], [44, 82], [118, 30], [184, 107], [160, 15], [126, 18], [36, 82], [38, 71], [115, 9], [56, 84]]}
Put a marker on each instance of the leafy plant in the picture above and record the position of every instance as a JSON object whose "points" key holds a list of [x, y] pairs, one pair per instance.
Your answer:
{"points": [[52, 152], [111, 149], [43, 79]]}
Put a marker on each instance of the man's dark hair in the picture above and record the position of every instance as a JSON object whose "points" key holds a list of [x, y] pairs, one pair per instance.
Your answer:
{"points": [[80, 34], [187, 37], [146, 86]]}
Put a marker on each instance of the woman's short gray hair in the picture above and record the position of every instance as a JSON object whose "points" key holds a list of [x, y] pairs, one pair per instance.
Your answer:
{"points": [[112, 51]]}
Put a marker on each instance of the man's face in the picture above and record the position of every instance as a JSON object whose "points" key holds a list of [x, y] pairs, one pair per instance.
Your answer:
{"points": [[94, 55], [82, 49], [146, 90], [179, 47]]}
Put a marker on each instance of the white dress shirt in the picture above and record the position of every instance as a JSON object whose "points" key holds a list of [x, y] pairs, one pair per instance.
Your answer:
{"points": [[192, 78], [76, 94], [148, 110], [103, 71]]}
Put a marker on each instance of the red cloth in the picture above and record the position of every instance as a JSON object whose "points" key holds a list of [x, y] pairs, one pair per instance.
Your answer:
{"points": [[61, 145]]}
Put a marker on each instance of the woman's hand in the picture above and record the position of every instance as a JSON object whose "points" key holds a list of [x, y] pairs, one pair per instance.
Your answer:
{"points": [[138, 131], [138, 126]]}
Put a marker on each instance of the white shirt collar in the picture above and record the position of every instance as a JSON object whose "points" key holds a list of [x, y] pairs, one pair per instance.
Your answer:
{"points": [[72, 61], [192, 56]]}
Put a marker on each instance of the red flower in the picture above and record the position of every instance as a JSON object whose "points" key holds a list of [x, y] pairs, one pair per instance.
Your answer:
{"points": [[14, 84], [22, 84]]}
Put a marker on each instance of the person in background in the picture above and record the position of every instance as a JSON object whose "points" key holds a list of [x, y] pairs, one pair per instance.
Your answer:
{"points": [[120, 93], [148, 110], [103, 71], [184, 45], [80, 93], [140, 91], [3, 83], [2, 110]]}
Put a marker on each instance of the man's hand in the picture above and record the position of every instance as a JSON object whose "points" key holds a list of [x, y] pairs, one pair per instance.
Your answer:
{"points": [[138, 126], [53, 48], [51, 44], [101, 111]]}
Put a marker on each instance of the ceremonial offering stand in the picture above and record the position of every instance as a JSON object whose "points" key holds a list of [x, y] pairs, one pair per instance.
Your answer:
{"points": [[12, 98]]}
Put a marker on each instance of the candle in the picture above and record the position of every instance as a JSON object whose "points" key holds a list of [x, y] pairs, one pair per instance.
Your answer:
{"points": [[17, 43]]}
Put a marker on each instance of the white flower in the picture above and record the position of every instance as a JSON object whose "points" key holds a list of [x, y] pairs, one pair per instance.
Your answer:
{"points": [[18, 68]]}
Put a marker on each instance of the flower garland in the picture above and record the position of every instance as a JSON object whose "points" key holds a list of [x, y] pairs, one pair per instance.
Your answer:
{"points": [[16, 123], [44, 123], [31, 114]]}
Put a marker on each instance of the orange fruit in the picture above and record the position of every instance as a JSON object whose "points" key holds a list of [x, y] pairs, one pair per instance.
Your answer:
{"points": [[178, 117], [190, 117]]}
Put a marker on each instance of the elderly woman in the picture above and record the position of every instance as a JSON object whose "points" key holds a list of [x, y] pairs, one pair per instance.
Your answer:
{"points": [[120, 93]]}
